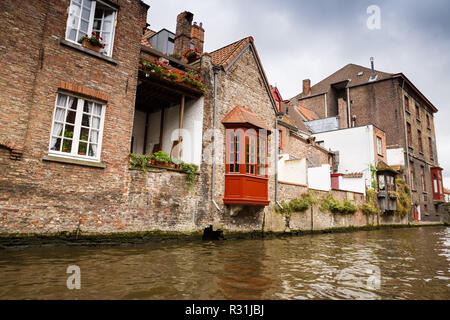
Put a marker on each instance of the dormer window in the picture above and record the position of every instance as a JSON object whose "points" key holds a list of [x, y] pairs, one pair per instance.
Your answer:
{"points": [[88, 16]]}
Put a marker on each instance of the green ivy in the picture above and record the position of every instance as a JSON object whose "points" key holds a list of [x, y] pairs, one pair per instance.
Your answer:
{"points": [[371, 206], [339, 207], [403, 198]]}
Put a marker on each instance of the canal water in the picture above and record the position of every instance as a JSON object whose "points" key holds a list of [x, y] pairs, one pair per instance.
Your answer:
{"points": [[384, 264]]}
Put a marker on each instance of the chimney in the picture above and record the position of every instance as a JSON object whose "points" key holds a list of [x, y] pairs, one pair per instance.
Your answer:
{"points": [[183, 32], [198, 36], [373, 75], [306, 87]]}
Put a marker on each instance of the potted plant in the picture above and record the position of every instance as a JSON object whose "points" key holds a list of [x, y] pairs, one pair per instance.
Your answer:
{"points": [[163, 159], [191, 55], [93, 42]]}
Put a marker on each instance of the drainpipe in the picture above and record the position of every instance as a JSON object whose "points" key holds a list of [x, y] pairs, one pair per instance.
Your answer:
{"points": [[406, 142], [276, 163], [349, 109], [213, 167]]}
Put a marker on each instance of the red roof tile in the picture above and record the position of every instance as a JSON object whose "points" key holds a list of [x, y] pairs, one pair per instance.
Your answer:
{"points": [[307, 113], [226, 55], [241, 115], [145, 38]]}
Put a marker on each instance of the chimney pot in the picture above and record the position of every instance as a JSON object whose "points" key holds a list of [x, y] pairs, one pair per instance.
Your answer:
{"points": [[306, 87]]}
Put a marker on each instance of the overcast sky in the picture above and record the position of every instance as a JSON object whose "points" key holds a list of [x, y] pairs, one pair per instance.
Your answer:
{"points": [[312, 39]]}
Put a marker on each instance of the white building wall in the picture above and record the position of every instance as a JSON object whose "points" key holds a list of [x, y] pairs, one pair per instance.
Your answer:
{"points": [[292, 171], [356, 149], [320, 178], [395, 157], [353, 184]]}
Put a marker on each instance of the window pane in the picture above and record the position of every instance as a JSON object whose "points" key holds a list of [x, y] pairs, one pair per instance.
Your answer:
{"points": [[94, 136], [82, 148], [107, 26], [92, 150], [68, 131], [84, 134], [72, 34], [71, 117], [56, 144], [108, 15], [86, 14], [61, 100], [87, 107], [84, 27], [57, 129], [73, 102], [86, 121], [67, 146], [60, 114], [97, 25], [97, 110]]}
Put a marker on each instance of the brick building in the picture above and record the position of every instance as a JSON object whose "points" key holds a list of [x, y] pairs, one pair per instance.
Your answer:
{"points": [[360, 96]]}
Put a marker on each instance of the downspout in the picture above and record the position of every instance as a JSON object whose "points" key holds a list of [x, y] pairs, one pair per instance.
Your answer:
{"points": [[349, 109], [213, 167], [276, 162], [406, 142]]}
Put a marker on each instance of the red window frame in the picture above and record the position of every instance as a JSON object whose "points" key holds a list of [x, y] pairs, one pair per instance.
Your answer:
{"points": [[247, 148], [419, 138]]}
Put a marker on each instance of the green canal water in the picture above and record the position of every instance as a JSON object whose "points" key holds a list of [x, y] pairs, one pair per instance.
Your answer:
{"points": [[383, 264]]}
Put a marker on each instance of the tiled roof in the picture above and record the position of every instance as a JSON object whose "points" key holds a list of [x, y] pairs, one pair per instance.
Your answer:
{"points": [[224, 56], [147, 35], [351, 72], [307, 113], [294, 116], [241, 115]]}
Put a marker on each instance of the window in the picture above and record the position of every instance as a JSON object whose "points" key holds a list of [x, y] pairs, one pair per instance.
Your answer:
{"points": [[422, 175], [408, 127], [77, 128], [235, 139], [379, 146], [262, 145], [406, 103], [250, 152], [412, 177], [425, 209], [430, 146], [419, 137], [87, 16], [280, 141], [417, 112], [428, 122]]}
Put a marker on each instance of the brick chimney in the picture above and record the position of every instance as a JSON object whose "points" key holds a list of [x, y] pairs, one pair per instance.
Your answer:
{"points": [[306, 87], [198, 36], [183, 32]]}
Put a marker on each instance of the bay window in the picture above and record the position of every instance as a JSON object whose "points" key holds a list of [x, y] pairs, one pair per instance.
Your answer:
{"points": [[87, 16], [438, 188], [77, 128]]}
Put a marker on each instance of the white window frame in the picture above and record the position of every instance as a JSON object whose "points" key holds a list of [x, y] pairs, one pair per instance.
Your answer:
{"points": [[91, 24], [379, 146], [77, 129]]}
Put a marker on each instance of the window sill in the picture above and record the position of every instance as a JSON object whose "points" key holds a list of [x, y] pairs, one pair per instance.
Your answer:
{"points": [[408, 112], [85, 163], [87, 51]]}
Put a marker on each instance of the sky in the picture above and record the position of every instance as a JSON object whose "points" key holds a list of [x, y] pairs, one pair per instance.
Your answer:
{"points": [[299, 39]]}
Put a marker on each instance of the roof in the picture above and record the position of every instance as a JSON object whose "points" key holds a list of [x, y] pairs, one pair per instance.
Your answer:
{"points": [[307, 113], [147, 35], [295, 118], [225, 56], [349, 72], [356, 75], [241, 115], [446, 191]]}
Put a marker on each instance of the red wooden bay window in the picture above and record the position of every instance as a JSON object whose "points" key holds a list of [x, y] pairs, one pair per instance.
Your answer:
{"points": [[438, 189], [246, 173]]}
